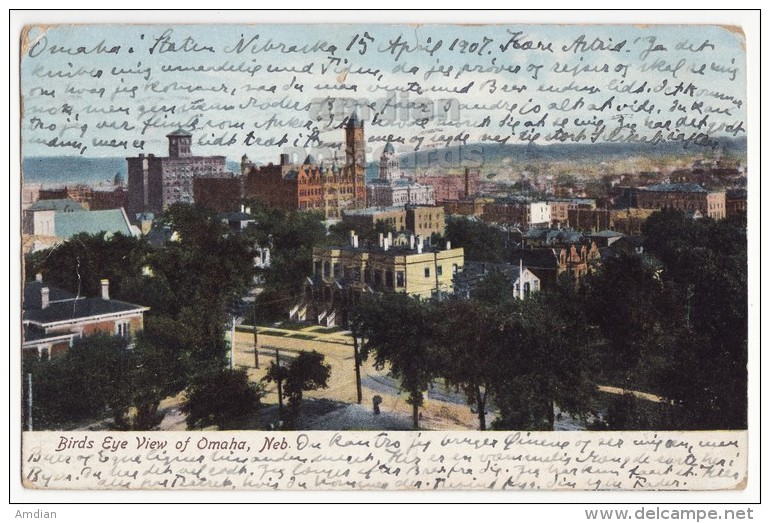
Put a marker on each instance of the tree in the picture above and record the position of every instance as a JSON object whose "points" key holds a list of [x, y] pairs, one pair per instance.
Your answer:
{"points": [[80, 263], [400, 330], [162, 368], [292, 236], [197, 276], [277, 374], [705, 369], [92, 380], [221, 397], [470, 342], [306, 372], [480, 241], [549, 360]]}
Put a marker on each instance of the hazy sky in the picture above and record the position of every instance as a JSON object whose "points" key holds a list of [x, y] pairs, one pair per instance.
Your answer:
{"points": [[245, 90]]}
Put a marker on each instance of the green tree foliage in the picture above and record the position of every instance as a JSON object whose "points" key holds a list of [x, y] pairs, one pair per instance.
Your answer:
{"points": [[400, 330], [83, 384], [480, 241], [221, 397], [471, 341], [194, 279], [706, 261], [306, 372], [495, 288], [635, 311], [292, 235], [101, 376], [277, 373], [549, 361], [79, 264]]}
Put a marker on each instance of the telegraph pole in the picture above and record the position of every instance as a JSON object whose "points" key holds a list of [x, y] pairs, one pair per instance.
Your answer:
{"points": [[256, 343], [232, 343], [29, 401]]}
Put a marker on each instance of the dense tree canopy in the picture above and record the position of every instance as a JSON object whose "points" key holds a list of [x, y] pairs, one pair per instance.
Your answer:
{"points": [[400, 330], [481, 242], [221, 397]]}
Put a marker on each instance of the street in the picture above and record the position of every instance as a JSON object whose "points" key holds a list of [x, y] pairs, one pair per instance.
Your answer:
{"points": [[442, 410]]}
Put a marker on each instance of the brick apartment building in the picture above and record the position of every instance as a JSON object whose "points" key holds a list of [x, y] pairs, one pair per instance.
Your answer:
{"points": [[314, 185], [450, 186]]}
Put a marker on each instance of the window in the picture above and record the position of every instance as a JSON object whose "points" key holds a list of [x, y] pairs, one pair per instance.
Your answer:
{"points": [[427, 272], [399, 279], [389, 279], [123, 329], [44, 353], [439, 270], [336, 270], [327, 269]]}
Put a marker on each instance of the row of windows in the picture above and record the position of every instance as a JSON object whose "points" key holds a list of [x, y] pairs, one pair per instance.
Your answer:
{"points": [[372, 276]]}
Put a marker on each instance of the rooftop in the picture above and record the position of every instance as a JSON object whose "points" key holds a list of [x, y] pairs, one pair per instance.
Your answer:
{"points": [[675, 187], [111, 221], [59, 205], [32, 298], [78, 309], [179, 132], [606, 234]]}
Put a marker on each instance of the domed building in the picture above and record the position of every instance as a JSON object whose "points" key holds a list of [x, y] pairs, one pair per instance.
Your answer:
{"points": [[394, 187]]}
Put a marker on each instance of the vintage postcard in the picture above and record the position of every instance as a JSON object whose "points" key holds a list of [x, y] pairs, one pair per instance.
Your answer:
{"points": [[384, 257]]}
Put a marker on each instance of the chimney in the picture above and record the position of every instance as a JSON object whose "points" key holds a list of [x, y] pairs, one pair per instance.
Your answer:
{"points": [[448, 245], [243, 208], [285, 159], [419, 245], [44, 298], [39, 277], [248, 210], [382, 240], [355, 241], [411, 242], [467, 182], [390, 238], [385, 244], [105, 289]]}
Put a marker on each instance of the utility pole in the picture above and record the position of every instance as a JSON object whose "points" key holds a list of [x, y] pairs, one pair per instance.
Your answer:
{"points": [[29, 401], [357, 360], [256, 343], [279, 382], [232, 343]]}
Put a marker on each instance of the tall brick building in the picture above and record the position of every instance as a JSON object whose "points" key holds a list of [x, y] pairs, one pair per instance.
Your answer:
{"points": [[452, 187], [155, 182], [313, 184]]}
